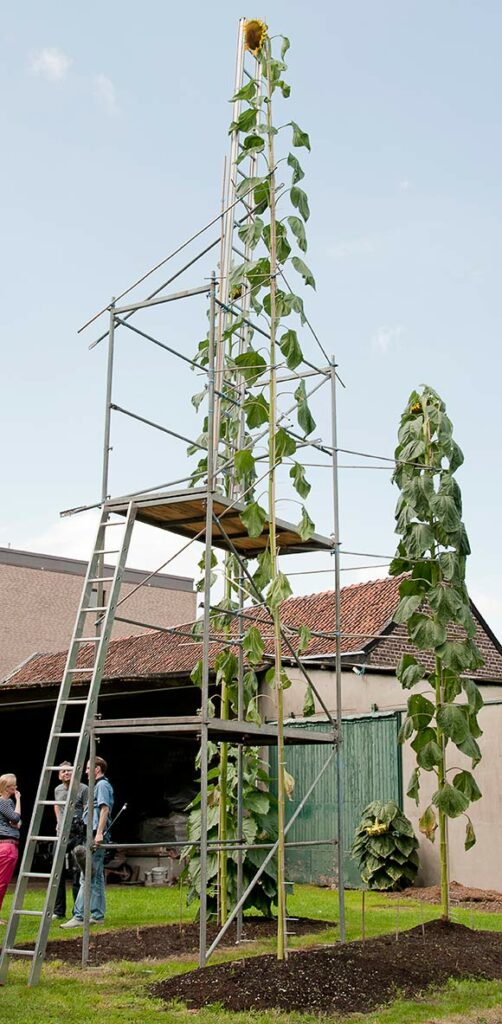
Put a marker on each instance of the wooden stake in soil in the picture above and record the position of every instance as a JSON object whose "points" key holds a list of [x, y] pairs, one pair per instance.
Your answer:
{"points": [[363, 913], [397, 921]]}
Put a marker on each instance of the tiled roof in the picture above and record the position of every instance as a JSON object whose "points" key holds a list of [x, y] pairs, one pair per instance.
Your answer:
{"points": [[366, 614]]}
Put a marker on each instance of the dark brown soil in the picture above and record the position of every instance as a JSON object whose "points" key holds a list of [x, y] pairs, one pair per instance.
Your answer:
{"points": [[162, 941], [460, 896], [355, 977]]}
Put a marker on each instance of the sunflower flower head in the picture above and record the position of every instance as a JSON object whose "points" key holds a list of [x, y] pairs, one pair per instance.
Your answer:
{"points": [[255, 32]]}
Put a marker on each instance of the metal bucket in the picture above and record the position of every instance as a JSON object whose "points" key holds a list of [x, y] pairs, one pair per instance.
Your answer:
{"points": [[158, 876]]}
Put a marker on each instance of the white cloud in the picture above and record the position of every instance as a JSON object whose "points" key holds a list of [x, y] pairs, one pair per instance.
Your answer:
{"points": [[51, 64], [386, 337], [105, 92], [73, 537], [404, 185]]}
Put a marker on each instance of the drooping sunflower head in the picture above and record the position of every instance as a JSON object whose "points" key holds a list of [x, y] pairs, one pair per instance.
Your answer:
{"points": [[255, 32]]}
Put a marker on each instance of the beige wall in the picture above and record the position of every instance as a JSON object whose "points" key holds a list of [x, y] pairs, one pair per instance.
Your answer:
{"points": [[38, 609], [480, 866]]}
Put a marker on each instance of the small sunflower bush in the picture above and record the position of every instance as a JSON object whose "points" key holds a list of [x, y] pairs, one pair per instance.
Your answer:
{"points": [[385, 847]]}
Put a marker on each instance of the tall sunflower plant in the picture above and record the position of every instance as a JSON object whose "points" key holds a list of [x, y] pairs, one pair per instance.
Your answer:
{"points": [[442, 712], [254, 439]]}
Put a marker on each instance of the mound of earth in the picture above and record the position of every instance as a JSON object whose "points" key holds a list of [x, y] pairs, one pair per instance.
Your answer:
{"points": [[162, 941], [355, 977], [460, 896]]}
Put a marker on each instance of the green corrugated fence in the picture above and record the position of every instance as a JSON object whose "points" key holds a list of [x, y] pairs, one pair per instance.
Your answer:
{"points": [[371, 771]]}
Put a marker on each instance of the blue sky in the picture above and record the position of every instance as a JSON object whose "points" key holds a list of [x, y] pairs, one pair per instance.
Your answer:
{"points": [[114, 130]]}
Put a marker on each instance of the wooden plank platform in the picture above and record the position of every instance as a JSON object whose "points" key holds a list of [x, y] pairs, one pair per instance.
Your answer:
{"points": [[220, 730], [184, 513]]}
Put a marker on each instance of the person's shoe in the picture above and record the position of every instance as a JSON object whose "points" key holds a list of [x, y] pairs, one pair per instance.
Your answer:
{"points": [[96, 920], [74, 922], [58, 917]]}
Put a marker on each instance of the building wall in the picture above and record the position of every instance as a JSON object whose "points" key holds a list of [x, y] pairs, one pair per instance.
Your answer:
{"points": [[38, 609], [373, 691]]}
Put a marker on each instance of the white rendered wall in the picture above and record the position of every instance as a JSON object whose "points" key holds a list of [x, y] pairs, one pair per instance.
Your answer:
{"points": [[481, 866]]}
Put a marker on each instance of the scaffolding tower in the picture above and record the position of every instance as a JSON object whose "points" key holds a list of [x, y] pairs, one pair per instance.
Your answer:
{"points": [[209, 513]]}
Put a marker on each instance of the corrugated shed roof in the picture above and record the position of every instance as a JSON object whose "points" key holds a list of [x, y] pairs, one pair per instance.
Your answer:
{"points": [[366, 614]]}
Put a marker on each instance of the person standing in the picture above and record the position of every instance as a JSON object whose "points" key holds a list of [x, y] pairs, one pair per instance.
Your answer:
{"points": [[75, 836], [10, 823], [101, 818]]}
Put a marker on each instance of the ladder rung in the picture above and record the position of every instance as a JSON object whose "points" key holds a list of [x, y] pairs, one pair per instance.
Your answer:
{"points": [[43, 839], [75, 670], [87, 640], [74, 700], [108, 551], [101, 579], [20, 952], [116, 522], [54, 768], [66, 735], [36, 874], [28, 913], [52, 803], [95, 608]]}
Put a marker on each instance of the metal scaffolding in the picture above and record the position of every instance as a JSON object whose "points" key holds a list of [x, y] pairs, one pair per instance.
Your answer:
{"points": [[208, 513]]}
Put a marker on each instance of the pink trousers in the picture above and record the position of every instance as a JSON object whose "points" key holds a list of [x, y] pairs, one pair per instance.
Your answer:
{"points": [[8, 861]]}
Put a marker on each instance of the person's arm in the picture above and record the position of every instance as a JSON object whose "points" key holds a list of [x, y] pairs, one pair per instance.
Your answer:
{"points": [[103, 818], [57, 812], [18, 807], [12, 816]]}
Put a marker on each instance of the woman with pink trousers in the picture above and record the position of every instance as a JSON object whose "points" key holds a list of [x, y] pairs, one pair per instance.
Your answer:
{"points": [[10, 823]]}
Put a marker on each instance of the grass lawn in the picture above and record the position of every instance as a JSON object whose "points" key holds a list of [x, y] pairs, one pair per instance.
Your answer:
{"points": [[116, 993]]}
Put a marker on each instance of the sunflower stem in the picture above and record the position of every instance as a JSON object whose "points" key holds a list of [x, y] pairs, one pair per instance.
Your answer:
{"points": [[281, 889]]}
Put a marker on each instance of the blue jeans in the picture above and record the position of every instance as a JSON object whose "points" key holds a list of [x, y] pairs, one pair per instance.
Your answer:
{"points": [[98, 901]]}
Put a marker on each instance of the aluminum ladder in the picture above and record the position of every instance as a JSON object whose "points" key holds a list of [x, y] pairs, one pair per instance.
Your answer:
{"points": [[71, 703]]}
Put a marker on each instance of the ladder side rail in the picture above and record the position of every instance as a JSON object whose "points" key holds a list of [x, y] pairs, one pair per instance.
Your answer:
{"points": [[50, 759], [84, 738], [61, 841]]}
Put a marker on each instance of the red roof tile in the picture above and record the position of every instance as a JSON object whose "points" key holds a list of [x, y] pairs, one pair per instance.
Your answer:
{"points": [[366, 612]]}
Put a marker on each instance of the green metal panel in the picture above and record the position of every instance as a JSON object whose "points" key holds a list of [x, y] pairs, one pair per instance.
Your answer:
{"points": [[371, 771]]}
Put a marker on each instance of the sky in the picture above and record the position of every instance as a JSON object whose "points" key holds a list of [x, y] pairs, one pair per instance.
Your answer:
{"points": [[114, 125]]}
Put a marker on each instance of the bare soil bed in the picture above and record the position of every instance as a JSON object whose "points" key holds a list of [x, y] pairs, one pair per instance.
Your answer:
{"points": [[356, 977], [460, 896], [162, 941]]}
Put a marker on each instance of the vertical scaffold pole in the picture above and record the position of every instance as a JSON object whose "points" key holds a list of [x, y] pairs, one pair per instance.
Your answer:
{"points": [[100, 596], [338, 662], [88, 850], [240, 761], [211, 467], [108, 403], [230, 190]]}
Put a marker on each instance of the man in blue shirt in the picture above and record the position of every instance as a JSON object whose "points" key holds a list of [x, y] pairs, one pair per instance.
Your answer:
{"points": [[101, 818]]}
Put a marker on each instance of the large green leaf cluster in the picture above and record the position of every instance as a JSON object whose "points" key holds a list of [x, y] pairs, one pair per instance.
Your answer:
{"points": [[385, 847], [434, 606], [259, 826]]}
